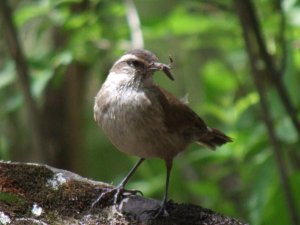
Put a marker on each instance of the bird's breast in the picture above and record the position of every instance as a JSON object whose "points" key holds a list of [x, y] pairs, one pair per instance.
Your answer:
{"points": [[134, 121], [125, 116]]}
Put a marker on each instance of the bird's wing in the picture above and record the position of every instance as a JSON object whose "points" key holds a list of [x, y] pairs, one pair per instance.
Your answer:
{"points": [[178, 116], [182, 119]]}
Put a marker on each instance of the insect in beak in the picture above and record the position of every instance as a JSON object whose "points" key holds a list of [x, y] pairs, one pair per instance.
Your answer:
{"points": [[163, 67]]}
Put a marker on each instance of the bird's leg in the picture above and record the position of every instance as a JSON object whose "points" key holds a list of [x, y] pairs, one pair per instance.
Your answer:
{"points": [[162, 211], [119, 190]]}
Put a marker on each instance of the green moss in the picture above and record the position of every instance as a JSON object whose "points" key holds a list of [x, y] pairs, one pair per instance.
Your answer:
{"points": [[10, 198]]}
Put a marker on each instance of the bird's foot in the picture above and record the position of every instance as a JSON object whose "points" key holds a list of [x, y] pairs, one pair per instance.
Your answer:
{"points": [[121, 193], [160, 211], [118, 192]]}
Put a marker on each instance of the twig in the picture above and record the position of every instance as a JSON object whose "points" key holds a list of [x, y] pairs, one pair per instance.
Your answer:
{"points": [[254, 44], [13, 45], [137, 40], [282, 39]]}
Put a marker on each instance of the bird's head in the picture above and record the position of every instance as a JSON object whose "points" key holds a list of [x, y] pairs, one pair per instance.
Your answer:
{"points": [[140, 64]]}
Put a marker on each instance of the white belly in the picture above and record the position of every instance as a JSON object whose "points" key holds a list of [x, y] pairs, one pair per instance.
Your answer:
{"points": [[135, 125]]}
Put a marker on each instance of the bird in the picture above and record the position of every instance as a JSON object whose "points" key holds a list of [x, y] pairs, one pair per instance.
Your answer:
{"points": [[142, 119]]}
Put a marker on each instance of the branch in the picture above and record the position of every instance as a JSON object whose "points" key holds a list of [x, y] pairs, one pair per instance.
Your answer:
{"points": [[282, 38], [271, 70], [51, 196], [137, 40], [254, 44], [13, 45]]}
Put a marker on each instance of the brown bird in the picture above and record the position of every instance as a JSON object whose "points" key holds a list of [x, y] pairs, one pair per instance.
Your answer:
{"points": [[144, 120]]}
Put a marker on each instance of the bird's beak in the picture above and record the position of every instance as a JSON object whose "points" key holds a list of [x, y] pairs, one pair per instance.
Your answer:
{"points": [[163, 67]]}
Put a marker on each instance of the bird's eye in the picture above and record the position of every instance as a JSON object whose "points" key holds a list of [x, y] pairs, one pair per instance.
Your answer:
{"points": [[135, 63]]}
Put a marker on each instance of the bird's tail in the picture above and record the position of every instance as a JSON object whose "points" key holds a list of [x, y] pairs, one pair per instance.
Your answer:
{"points": [[213, 138]]}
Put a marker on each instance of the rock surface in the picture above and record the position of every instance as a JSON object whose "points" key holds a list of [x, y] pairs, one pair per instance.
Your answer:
{"points": [[42, 195]]}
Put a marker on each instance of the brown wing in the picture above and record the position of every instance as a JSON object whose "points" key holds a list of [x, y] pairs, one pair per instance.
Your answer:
{"points": [[178, 116]]}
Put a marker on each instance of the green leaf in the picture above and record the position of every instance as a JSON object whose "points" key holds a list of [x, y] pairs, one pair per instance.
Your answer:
{"points": [[7, 75], [286, 130], [40, 81], [244, 103], [31, 11], [261, 187]]}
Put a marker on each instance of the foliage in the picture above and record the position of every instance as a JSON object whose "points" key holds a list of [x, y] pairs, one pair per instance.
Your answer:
{"points": [[211, 65]]}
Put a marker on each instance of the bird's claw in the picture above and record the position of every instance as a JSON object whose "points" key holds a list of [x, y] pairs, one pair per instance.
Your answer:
{"points": [[118, 192], [121, 193], [131, 192]]}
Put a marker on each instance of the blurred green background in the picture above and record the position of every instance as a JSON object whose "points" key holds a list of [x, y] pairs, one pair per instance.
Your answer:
{"points": [[69, 47]]}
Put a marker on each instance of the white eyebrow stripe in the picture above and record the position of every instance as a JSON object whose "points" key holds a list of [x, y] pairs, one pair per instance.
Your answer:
{"points": [[132, 57]]}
